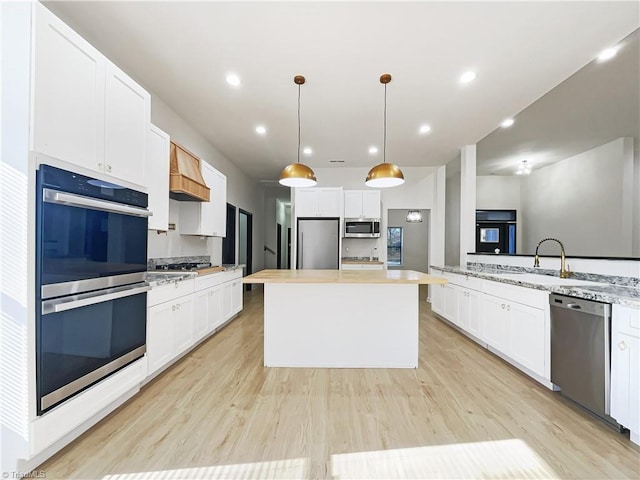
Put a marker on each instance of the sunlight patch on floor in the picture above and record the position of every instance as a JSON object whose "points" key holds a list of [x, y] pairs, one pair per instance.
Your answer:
{"points": [[494, 459], [295, 468]]}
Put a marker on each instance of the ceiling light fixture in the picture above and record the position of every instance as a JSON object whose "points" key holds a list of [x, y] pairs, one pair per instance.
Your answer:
{"points": [[607, 54], [524, 168], [507, 123], [414, 216], [298, 174], [233, 80], [373, 150], [384, 174], [261, 130], [307, 150], [424, 129], [467, 77]]}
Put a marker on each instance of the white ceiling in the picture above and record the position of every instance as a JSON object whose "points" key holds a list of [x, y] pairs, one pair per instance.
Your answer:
{"points": [[182, 51]]}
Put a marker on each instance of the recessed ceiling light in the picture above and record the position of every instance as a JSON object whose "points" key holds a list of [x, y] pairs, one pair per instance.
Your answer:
{"points": [[373, 150], [607, 54], [467, 77], [307, 150], [507, 123], [261, 129], [233, 80], [424, 129]]}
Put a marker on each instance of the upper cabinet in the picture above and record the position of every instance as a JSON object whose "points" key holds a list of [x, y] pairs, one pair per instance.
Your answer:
{"points": [[318, 202], [207, 219], [158, 146], [362, 204], [86, 111]]}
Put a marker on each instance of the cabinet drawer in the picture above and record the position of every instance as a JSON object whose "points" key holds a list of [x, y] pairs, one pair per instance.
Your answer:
{"points": [[169, 291], [526, 296], [466, 281], [627, 319], [211, 280]]}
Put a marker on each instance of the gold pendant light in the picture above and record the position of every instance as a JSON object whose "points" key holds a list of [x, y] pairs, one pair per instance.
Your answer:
{"points": [[298, 174], [384, 174]]}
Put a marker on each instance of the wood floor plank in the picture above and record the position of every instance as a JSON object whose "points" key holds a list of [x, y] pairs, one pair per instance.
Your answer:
{"points": [[463, 413]]}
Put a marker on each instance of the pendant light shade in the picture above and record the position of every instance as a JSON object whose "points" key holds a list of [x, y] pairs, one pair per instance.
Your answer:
{"points": [[384, 174], [298, 174]]}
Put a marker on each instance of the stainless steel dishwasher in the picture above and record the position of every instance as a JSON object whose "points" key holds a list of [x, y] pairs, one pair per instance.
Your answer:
{"points": [[581, 352]]}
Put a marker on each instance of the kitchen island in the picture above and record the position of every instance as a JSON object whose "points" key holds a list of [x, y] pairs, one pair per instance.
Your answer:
{"points": [[341, 318]]}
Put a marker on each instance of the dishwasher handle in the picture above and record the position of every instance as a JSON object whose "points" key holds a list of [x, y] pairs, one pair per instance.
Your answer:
{"points": [[574, 306]]}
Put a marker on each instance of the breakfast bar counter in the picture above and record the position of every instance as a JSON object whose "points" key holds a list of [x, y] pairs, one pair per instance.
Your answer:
{"points": [[341, 318]]}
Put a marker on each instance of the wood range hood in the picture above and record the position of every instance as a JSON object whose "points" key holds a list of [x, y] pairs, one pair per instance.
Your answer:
{"points": [[185, 179]]}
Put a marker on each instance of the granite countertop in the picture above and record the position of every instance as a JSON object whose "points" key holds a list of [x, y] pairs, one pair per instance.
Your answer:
{"points": [[589, 290], [161, 277], [342, 276], [361, 260]]}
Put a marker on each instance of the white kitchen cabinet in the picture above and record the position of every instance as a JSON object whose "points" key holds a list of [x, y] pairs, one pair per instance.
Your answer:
{"points": [[527, 336], [208, 310], [86, 111], [362, 204], [158, 150], [625, 368], [450, 303], [437, 298], [127, 118], [236, 296], [318, 202], [206, 218], [468, 310], [160, 350], [362, 266], [495, 322], [68, 94]]}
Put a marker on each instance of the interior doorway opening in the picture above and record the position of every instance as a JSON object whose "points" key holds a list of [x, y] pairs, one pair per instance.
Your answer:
{"points": [[245, 242]]}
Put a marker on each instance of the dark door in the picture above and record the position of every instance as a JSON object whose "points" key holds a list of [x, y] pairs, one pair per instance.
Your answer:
{"points": [[289, 247], [279, 247], [245, 250], [229, 242]]}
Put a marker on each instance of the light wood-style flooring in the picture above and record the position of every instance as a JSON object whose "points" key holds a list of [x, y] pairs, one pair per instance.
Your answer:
{"points": [[463, 413]]}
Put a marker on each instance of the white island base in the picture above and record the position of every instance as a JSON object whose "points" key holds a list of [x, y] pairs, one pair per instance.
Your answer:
{"points": [[341, 325]]}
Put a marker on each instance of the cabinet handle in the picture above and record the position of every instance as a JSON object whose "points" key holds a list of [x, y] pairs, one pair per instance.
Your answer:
{"points": [[109, 168], [503, 306], [173, 308], [508, 308], [622, 345]]}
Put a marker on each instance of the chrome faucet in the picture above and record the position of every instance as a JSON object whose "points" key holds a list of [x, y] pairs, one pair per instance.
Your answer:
{"points": [[564, 272]]}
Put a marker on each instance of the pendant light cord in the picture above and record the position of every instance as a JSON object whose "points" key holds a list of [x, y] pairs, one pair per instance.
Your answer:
{"points": [[298, 123], [384, 137]]}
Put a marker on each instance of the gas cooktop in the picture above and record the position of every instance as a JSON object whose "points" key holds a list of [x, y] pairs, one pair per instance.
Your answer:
{"points": [[183, 266]]}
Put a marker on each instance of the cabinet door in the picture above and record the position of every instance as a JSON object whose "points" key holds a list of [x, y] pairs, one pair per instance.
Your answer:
{"points": [[126, 124], [236, 296], [202, 313], [352, 204], [437, 298], [227, 300], [158, 146], [462, 299], [160, 335], [306, 202], [625, 371], [371, 203], [527, 334], [473, 314], [184, 324], [68, 94], [330, 202], [495, 322], [450, 303], [219, 203], [208, 210], [216, 317]]}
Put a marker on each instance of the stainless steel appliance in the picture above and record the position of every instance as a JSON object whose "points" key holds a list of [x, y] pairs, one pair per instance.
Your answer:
{"points": [[91, 301], [318, 243], [581, 352], [361, 228]]}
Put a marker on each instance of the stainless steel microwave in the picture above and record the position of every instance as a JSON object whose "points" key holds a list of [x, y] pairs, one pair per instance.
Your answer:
{"points": [[361, 227]]}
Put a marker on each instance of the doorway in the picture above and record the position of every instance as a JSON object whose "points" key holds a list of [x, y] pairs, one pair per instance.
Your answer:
{"points": [[229, 242], [245, 243]]}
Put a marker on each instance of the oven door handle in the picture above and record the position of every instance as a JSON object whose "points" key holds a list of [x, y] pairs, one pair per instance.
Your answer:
{"points": [[76, 301], [63, 198]]}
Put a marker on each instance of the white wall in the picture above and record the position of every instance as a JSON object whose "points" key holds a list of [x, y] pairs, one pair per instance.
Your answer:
{"points": [[500, 192], [415, 240], [242, 192], [586, 201]]}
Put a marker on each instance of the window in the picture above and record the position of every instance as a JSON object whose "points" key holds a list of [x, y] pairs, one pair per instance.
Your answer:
{"points": [[394, 246]]}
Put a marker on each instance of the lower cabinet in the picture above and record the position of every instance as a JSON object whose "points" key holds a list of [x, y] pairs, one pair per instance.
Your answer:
{"points": [[625, 368], [437, 298], [469, 311]]}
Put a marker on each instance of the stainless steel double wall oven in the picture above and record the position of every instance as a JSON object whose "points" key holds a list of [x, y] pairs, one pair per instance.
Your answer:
{"points": [[91, 300]]}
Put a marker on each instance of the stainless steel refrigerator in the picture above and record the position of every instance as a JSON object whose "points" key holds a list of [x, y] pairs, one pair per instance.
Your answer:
{"points": [[318, 243]]}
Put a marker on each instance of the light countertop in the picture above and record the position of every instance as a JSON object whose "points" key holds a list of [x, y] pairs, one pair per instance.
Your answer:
{"points": [[342, 276]]}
